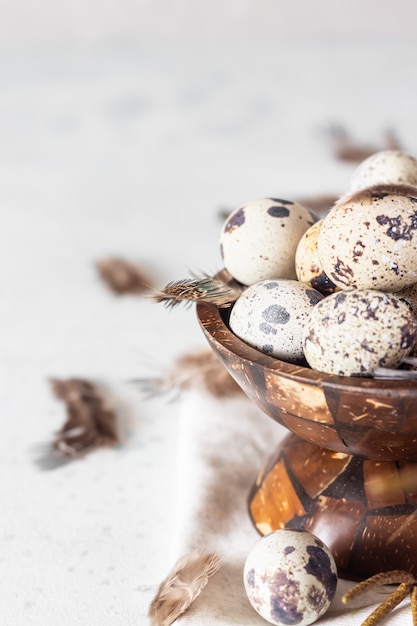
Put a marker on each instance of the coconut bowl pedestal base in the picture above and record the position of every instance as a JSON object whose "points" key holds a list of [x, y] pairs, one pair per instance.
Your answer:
{"points": [[364, 510], [348, 471]]}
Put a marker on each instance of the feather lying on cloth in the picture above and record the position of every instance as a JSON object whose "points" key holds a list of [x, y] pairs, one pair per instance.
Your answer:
{"points": [[181, 587], [193, 369], [216, 290], [91, 420], [123, 277]]}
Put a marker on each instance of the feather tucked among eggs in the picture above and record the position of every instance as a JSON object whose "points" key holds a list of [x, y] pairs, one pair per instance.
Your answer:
{"points": [[205, 288]]}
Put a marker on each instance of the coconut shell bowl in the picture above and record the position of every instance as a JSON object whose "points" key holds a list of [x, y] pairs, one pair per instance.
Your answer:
{"points": [[347, 471]]}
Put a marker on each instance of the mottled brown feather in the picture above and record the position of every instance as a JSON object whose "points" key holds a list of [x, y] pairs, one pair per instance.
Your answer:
{"points": [[182, 585], [198, 368], [347, 149], [90, 421], [123, 277], [203, 288]]}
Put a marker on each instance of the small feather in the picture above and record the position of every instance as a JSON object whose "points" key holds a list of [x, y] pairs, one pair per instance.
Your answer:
{"points": [[201, 367], [181, 587], [346, 149], [198, 289], [394, 374], [405, 371], [90, 422], [122, 276]]}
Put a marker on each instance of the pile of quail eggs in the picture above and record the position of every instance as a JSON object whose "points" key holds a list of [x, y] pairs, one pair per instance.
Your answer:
{"points": [[338, 294]]}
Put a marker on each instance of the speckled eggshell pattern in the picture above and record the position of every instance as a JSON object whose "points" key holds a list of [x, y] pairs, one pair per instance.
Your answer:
{"points": [[350, 333], [369, 239], [258, 240], [308, 268], [409, 295], [271, 314], [290, 577], [387, 166]]}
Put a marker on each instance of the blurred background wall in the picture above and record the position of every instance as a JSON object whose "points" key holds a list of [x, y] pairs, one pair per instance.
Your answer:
{"points": [[91, 22]]}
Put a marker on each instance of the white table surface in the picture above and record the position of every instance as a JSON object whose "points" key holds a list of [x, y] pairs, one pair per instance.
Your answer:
{"points": [[132, 151]]}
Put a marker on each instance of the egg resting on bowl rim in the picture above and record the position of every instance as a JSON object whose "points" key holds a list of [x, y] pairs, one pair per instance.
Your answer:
{"points": [[270, 316], [350, 333]]}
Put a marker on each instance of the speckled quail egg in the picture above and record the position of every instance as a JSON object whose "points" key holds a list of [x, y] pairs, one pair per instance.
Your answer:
{"points": [[258, 240], [350, 333], [387, 166], [290, 577], [369, 239], [270, 316], [307, 263]]}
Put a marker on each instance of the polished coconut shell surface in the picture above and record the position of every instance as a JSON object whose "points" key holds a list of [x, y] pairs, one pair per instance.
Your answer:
{"points": [[364, 510], [348, 473], [376, 419]]}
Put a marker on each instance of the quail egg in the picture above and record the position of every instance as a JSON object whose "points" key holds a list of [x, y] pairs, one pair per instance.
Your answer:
{"points": [[350, 333], [386, 166], [270, 316], [258, 240], [290, 577], [369, 239], [307, 263]]}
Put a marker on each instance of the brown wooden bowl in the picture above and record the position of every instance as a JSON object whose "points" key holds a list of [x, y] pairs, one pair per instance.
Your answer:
{"points": [[348, 473], [366, 417]]}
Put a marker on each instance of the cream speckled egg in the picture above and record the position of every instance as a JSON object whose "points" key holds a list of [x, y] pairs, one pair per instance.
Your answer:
{"points": [[387, 166], [369, 239], [270, 316], [350, 333], [307, 263], [258, 240], [290, 577]]}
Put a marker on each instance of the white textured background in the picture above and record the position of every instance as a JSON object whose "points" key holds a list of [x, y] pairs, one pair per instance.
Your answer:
{"points": [[124, 127], [48, 23]]}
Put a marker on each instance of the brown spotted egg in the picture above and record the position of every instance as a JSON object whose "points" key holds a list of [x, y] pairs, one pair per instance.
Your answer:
{"points": [[290, 577], [258, 240], [270, 316], [386, 166], [307, 263], [369, 239], [350, 333]]}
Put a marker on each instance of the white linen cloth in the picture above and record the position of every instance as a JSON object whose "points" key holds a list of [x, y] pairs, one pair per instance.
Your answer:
{"points": [[222, 445]]}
